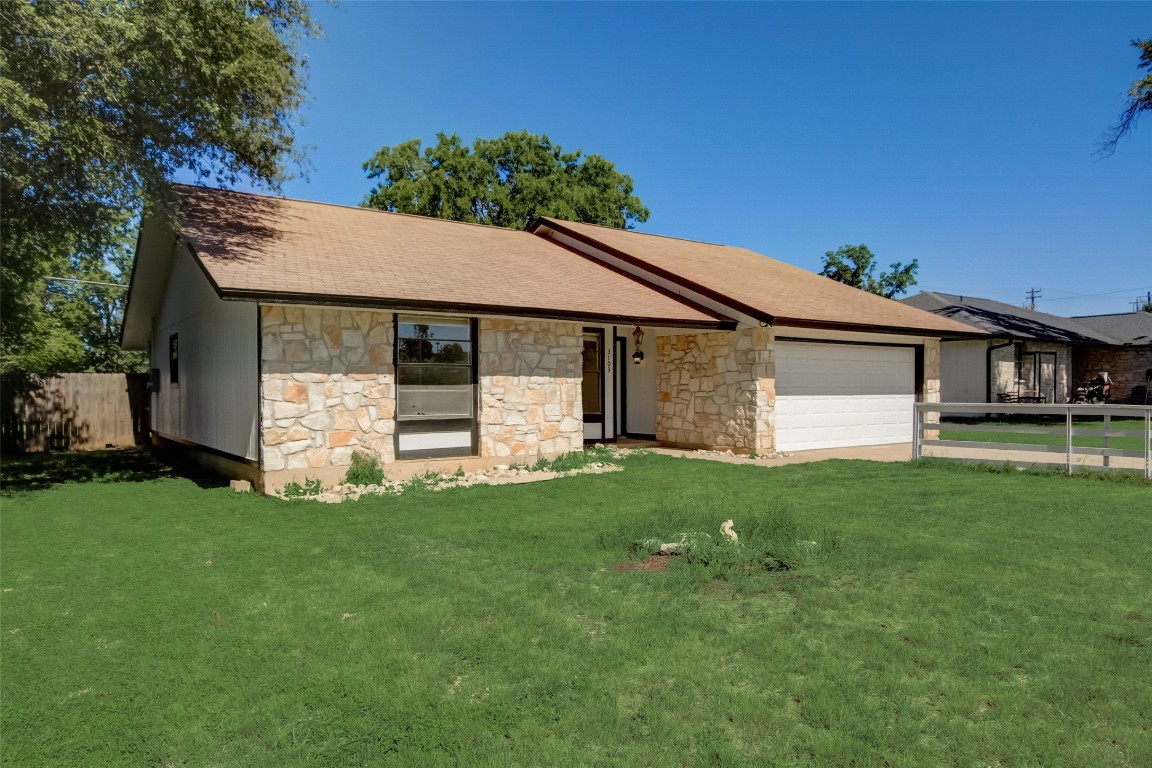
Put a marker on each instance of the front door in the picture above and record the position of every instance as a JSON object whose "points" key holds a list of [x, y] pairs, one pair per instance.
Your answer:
{"points": [[592, 387]]}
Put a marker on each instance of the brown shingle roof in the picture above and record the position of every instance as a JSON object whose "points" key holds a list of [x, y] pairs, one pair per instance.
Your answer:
{"points": [[760, 286], [275, 249]]}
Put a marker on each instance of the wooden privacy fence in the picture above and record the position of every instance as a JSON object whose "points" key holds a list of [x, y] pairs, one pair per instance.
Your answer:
{"points": [[73, 411], [1117, 437]]}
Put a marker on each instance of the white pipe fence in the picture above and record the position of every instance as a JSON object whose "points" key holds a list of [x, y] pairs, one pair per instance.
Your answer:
{"points": [[926, 440]]}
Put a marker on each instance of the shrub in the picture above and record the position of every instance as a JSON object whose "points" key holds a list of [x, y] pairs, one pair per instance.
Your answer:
{"points": [[364, 470]]}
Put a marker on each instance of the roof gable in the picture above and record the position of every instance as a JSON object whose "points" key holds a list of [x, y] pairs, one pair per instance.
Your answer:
{"points": [[762, 287]]}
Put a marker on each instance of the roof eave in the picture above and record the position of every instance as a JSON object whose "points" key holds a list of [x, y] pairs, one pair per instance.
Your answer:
{"points": [[798, 322], [415, 305]]}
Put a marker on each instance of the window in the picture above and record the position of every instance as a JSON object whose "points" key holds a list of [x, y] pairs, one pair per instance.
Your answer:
{"points": [[434, 369], [436, 387], [593, 386], [174, 358]]}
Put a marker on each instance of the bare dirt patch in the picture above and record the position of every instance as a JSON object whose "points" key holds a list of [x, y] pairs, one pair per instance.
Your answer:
{"points": [[652, 563]]}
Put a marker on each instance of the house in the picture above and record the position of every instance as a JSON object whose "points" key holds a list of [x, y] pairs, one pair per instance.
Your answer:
{"points": [[1128, 360], [284, 335], [1027, 354]]}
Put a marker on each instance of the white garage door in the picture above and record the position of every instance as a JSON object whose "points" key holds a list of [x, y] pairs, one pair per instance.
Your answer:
{"points": [[838, 395]]}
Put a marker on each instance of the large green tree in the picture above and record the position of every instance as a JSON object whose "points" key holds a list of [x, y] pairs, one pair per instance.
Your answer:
{"points": [[103, 102], [1139, 99], [506, 182], [76, 321], [855, 265]]}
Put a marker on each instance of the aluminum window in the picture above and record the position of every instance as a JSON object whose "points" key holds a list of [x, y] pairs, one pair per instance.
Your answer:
{"points": [[434, 369]]}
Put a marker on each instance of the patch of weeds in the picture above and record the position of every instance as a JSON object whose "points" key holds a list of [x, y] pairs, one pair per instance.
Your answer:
{"points": [[425, 482], [365, 469], [311, 487], [572, 460], [769, 537], [1008, 468]]}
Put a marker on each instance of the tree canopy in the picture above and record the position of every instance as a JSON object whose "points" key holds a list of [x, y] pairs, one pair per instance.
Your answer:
{"points": [[102, 102], [855, 264], [1139, 99], [506, 182]]}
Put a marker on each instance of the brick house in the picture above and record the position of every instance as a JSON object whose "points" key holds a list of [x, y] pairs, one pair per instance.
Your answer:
{"points": [[1128, 360], [284, 335]]}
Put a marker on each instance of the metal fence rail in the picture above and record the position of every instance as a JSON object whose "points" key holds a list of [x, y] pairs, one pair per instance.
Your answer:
{"points": [[926, 440]]}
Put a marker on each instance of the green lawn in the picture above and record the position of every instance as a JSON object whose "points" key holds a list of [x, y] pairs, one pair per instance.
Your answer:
{"points": [[1010, 433], [966, 619]]}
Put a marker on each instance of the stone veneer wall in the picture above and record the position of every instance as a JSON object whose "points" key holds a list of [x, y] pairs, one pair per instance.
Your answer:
{"points": [[930, 387], [717, 390], [1004, 369], [327, 388], [530, 395]]}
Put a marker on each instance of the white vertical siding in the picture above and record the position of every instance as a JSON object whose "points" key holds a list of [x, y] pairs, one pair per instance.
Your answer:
{"points": [[964, 371], [641, 394], [216, 402]]}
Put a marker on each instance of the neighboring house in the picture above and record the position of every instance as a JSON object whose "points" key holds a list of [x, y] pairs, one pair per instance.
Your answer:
{"points": [[1028, 355], [284, 335], [1128, 360]]}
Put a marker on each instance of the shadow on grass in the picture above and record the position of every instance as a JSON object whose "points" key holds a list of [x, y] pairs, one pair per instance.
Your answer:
{"points": [[1122, 477], [37, 471]]}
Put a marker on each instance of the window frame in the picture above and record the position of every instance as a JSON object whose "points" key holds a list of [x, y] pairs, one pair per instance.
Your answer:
{"points": [[428, 425], [601, 375], [174, 359]]}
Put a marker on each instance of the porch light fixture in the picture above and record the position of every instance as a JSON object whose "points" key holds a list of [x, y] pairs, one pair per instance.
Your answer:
{"points": [[638, 337]]}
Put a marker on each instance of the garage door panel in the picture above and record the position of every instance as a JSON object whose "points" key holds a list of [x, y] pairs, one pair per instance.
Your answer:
{"points": [[839, 395]]}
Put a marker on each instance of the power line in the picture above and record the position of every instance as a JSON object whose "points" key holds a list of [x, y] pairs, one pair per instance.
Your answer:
{"points": [[1094, 295], [992, 293], [121, 286]]}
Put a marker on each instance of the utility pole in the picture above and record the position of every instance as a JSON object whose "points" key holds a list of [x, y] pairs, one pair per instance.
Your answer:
{"points": [[1033, 294], [1139, 303]]}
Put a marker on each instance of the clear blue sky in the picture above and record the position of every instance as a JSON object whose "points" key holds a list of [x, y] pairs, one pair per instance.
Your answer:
{"points": [[959, 134]]}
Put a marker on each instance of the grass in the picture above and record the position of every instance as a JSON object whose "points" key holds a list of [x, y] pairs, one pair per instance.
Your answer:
{"points": [[965, 618], [568, 462], [1057, 424]]}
